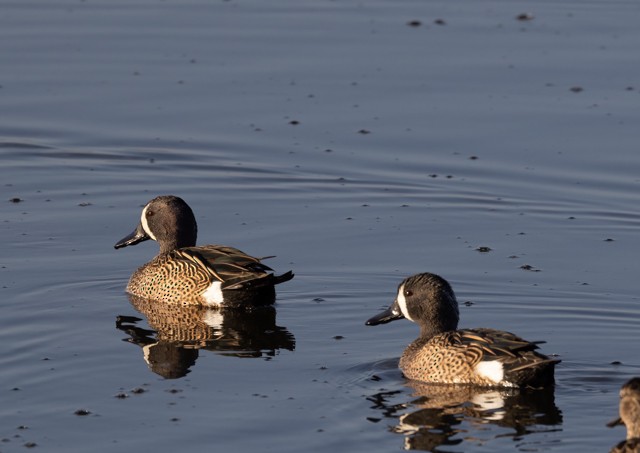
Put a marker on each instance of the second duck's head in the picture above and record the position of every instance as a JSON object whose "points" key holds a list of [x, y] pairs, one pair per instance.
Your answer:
{"points": [[166, 219], [426, 299]]}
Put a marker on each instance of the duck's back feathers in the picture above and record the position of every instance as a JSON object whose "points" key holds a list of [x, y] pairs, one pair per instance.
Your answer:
{"points": [[230, 266]]}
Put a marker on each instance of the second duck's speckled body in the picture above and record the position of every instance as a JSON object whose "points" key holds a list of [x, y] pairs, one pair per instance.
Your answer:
{"points": [[629, 416], [212, 275], [443, 354]]}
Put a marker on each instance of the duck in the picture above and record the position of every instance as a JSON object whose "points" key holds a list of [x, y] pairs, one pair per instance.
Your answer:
{"points": [[183, 273], [629, 416], [444, 354]]}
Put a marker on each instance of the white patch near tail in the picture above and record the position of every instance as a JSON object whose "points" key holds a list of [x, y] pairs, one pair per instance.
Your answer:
{"points": [[145, 225], [402, 303], [213, 295], [492, 370]]}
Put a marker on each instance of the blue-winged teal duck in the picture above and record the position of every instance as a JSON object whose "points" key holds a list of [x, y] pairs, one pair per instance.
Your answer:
{"points": [[629, 416], [443, 354], [212, 275]]}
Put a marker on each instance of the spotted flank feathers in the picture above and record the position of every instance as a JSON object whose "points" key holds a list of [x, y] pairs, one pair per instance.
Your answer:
{"points": [[443, 354], [212, 275]]}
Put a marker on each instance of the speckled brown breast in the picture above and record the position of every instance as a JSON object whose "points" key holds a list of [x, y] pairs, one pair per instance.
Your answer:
{"points": [[439, 360], [170, 279]]}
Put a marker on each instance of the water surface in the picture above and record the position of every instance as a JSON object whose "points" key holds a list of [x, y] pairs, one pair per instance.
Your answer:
{"points": [[357, 148]]}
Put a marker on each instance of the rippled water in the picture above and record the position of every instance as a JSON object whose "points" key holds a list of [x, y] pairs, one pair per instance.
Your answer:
{"points": [[357, 148]]}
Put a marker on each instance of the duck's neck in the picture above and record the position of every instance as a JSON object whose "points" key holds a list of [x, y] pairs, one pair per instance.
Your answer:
{"points": [[431, 330], [444, 317], [168, 246], [177, 241], [178, 234]]}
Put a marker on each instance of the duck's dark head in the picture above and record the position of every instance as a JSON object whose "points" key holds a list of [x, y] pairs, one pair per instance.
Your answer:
{"points": [[166, 219], [426, 299]]}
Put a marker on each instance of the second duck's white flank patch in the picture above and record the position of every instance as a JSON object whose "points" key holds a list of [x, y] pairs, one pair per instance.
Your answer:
{"points": [[213, 295], [145, 225], [492, 370], [402, 303]]}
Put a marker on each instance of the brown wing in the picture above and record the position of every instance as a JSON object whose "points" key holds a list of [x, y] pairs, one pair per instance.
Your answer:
{"points": [[234, 268], [522, 363]]}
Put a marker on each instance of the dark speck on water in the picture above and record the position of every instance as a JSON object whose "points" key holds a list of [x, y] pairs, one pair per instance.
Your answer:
{"points": [[524, 17], [82, 412]]}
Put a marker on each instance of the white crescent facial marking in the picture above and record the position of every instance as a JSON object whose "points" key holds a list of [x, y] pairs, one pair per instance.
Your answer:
{"points": [[213, 295], [402, 303], [492, 370], [145, 225]]}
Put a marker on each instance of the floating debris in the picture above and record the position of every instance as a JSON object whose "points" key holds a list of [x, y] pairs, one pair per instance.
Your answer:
{"points": [[525, 17], [414, 23], [483, 249]]}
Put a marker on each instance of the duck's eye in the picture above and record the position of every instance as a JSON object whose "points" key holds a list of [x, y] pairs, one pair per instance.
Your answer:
{"points": [[150, 213], [408, 293]]}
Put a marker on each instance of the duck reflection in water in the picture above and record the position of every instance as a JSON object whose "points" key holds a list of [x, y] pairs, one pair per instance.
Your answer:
{"points": [[179, 332], [445, 415], [629, 416]]}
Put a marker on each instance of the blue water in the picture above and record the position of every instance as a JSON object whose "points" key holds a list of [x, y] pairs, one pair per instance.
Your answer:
{"points": [[357, 149]]}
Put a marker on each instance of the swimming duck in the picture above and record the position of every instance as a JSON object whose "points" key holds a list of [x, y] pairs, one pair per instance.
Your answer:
{"points": [[443, 354], [629, 416], [212, 275]]}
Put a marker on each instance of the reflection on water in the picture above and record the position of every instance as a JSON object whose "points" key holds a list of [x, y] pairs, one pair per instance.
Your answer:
{"points": [[441, 413], [179, 332]]}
